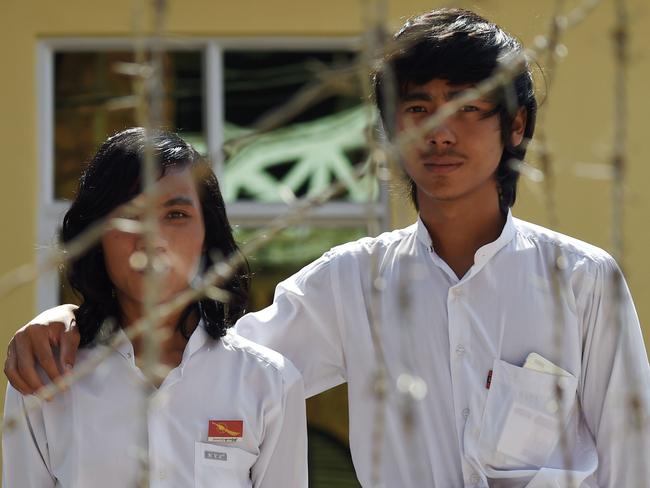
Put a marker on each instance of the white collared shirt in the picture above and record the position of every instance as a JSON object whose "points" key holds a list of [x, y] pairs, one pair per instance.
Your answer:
{"points": [[449, 334], [96, 435]]}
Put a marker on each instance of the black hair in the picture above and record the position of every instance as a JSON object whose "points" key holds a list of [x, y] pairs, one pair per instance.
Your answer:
{"points": [[112, 178], [463, 48]]}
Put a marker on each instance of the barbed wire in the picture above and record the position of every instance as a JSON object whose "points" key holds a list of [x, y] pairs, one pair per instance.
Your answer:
{"points": [[382, 155], [374, 21], [300, 208], [558, 265], [149, 93], [638, 421]]}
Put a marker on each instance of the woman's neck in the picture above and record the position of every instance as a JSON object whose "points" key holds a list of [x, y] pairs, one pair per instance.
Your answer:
{"points": [[172, 335]]}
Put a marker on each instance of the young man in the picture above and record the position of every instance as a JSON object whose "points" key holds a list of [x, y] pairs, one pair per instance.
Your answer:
{"points": [[518, 348]]}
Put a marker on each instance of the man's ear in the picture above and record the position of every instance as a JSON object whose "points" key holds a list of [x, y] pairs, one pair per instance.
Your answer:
{"points": [[518, 126]]}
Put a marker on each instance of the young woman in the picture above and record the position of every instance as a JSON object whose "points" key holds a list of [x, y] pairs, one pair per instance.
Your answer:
{"points": [[230, 413]]}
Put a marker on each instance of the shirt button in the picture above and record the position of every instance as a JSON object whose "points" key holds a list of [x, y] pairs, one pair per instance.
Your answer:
{"points": [[460, 350], [128, 355], [474, 479], [465, 413], [458, 291]]}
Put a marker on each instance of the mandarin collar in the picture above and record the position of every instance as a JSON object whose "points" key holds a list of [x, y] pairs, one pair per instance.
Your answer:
{"points": [[484, 253], [119, 342], [125, 347], [198, 338]]}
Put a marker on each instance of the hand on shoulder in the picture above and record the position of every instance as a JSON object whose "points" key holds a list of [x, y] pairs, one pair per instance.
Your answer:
{"points": [[34, 344]]}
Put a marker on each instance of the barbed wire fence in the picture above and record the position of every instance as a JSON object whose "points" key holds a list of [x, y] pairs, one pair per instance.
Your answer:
{"points": [[382, 164]]}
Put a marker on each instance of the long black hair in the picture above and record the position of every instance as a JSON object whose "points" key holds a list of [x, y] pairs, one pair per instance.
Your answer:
{"points": [[463, 48], [112, 178]]}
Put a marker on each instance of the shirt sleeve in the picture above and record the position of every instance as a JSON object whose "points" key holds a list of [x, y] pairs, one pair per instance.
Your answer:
{"points": [[615, 379], [304, 324], [25, 459], [282, 461]]}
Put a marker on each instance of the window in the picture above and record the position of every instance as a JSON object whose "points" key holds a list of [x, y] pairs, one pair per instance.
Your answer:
{"points": [[216, 93]]}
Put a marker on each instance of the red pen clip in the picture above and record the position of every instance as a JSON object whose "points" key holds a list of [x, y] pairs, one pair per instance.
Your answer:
{"points": [[489, 380]]}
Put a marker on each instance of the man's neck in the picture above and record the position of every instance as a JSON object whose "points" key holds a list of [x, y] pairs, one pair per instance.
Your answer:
{"points": [[460, 227]]}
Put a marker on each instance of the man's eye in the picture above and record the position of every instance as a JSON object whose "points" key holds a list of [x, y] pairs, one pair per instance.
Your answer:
{"points": [[469, 108]]}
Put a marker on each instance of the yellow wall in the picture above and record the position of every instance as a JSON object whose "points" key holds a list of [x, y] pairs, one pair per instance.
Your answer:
{"points": [[579, 119]]}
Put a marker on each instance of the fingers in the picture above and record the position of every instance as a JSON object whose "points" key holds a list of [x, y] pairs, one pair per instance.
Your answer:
{"points": [[25, 361], [34, 343], [68, 347], [42, 341], [11, 371]]}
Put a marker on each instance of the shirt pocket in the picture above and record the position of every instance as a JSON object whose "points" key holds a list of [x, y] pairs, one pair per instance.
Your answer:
{"points": [[523, 417], [221, 466]]}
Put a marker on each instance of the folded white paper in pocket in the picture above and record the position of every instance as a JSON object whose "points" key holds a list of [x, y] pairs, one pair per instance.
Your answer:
{"points": [[539, 363]]}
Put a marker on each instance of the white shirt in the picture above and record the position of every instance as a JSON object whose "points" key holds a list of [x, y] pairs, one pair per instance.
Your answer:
{"points": [[450, 333], [96, 434]]}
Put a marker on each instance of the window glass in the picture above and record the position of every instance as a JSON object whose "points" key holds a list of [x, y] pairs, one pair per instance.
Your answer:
{"points": [[330, 462], [91, 102], [312, 148]]}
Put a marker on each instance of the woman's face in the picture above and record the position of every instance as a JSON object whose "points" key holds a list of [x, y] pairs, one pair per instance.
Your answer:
{"points": [[178, 247]]}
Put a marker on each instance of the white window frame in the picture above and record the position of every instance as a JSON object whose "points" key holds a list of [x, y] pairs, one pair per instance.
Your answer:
{"points": [[247, 214]]}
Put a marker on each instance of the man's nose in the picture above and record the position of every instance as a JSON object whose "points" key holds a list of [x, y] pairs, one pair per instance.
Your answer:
{"points": [[441, 136]]}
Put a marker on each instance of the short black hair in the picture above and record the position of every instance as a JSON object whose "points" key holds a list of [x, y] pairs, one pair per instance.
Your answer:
{"points": [[112, 178], [463, 48]]}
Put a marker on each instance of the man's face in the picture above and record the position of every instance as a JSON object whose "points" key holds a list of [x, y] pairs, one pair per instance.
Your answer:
{"points": [[458, 159]]}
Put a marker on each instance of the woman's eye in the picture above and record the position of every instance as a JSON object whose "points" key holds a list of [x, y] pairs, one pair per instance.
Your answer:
{"points": [[416, 109], [176, 214]]}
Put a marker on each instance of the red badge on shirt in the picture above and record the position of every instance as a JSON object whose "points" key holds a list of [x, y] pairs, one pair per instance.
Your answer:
{"points": [[225, 430], [488, 382]]}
